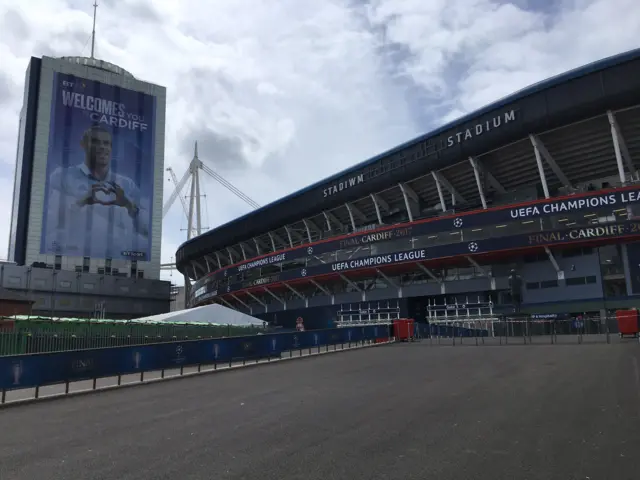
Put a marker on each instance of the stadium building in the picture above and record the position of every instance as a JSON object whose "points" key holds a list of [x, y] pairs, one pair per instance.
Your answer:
{"points": [[86, 218], [543, 182]]}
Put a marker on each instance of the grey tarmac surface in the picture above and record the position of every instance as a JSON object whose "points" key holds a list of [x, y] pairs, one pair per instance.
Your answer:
{"points": [[406, 411]]}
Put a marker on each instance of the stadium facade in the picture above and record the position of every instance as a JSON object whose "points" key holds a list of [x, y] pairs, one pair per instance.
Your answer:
{"points": [[543, 182], [86, 218]]}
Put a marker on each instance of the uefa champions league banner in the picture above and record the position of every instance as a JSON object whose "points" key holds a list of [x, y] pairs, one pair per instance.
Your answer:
{"points": [[27, 371], [100, 168], [591, 202], [490, 245]]}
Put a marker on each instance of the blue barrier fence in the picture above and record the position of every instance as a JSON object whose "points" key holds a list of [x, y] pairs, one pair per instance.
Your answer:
{"points": [[28, 371]]}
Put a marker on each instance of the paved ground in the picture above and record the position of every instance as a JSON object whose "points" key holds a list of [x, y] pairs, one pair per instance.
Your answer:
{"points": [[409, 411]]}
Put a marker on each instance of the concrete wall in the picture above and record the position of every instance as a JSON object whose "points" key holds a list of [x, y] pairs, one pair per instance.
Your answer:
{"points": [[543, 271], [64, 293]]}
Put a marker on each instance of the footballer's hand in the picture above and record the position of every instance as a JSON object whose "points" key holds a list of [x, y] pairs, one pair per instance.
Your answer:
{"points": [[90, 197]]}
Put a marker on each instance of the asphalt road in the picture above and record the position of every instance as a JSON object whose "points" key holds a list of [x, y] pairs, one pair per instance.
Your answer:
{"points": [[408, 411]]}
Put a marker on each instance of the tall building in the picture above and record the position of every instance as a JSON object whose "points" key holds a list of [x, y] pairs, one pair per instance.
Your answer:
{"points": [[88, 186]]}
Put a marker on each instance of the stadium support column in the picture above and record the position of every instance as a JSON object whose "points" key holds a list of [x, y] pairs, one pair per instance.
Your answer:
{"points": [[476, 174], [306, 226], [353, 222], [541, 152], [235, 297], [284, 304], [323, 290], [288, 230], [273, 242], [543, 178], [218, 260], [297, 294], [433, 276], [455, 195], [390, 282], [443, 204], [620, 148], [377, 203], [257, 300], [409, 196]]}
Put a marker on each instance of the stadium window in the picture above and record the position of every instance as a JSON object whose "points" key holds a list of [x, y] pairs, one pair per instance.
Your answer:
{"points": [[549, 284], [533, 285], [58, 262], [78, 268], [101, 270], [591, 279], [140, 273], [86, 261], [575, 281]]}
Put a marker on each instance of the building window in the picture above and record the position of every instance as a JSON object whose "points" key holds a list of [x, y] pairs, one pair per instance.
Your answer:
{"points": [[86, 262], [533, 285], [549, 284], [101, 270], [58, 262], [140, 273], [78, 269], [581, 280]]}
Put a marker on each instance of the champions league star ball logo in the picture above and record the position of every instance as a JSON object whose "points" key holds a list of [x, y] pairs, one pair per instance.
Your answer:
{"points": [[473, 247], [309, 250], [457, 222], [303, 272]]}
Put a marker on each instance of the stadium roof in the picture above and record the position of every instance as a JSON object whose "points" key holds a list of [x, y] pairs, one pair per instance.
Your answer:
{"points": [[280, 211]]}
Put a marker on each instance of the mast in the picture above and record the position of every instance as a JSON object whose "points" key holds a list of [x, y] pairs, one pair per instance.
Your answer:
{"points": [[93, 32]]}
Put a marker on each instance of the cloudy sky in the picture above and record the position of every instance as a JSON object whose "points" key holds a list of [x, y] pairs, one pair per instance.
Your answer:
{"points": [[282, 93]]}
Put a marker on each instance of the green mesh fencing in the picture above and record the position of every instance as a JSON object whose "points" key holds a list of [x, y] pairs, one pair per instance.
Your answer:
{"points": [[24, 335]]}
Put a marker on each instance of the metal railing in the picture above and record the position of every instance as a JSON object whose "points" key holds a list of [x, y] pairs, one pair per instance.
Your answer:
{"points": [[522, 331], [42, 336]]}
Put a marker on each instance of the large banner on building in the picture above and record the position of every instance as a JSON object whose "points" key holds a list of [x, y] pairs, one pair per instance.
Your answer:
{"points": [[100, 163]]}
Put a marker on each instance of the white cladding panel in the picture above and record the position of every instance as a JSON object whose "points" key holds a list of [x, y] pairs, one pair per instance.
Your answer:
{"points": [[41, 149]]}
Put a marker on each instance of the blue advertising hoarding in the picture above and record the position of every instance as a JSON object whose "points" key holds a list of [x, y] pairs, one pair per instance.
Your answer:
{"points": [[26, 371], [100, 168]]}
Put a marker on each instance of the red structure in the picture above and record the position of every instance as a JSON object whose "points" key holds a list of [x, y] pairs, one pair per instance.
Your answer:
{"points": [[403, 329], [627, 322]]}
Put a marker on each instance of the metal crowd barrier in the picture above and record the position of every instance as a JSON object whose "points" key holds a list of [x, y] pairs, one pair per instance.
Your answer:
{"points": [[63, 368], [40, 336], [522, 331]]}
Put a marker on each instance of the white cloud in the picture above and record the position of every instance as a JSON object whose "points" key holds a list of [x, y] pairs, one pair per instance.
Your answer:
{"points": [[280, 94]]}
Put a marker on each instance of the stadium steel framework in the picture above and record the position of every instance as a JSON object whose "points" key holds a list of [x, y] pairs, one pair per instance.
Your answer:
{"points": [[573, 135]]}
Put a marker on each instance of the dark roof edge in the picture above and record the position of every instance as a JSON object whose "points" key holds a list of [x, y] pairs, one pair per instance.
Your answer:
{"points": [[525, 92]]}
